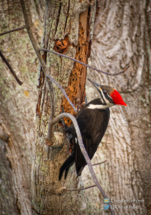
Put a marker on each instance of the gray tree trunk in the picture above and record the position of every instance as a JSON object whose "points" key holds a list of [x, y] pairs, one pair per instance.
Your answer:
{"points": [[121, 35]]}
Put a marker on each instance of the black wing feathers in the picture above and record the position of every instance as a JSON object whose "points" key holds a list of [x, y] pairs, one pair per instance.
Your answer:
{"points": [[92, 124]]}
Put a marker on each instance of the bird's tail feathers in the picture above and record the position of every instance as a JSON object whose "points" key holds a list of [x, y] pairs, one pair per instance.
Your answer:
{"points": [[67, 169], [66, 165]]}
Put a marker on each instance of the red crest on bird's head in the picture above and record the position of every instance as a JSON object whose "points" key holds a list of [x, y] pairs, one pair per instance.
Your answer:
{"points": [[117, 98]]}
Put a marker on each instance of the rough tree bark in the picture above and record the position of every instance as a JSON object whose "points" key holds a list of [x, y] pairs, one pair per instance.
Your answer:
{"points": [[17, 111], [121, 35], [67, 31]]}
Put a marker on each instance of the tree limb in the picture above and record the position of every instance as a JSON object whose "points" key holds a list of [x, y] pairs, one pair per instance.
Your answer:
{"points": [[82, 148], [28, 27], [62, 55], [16, 29], [10, 68]]}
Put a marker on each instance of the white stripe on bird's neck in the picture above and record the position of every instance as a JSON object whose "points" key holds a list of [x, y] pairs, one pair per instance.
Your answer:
{"points": [[92, 106]]}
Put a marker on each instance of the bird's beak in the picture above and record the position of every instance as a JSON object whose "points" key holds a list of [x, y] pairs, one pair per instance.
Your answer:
{"points": [[96, 85]]}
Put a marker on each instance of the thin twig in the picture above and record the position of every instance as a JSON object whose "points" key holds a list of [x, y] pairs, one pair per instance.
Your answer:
{"points": [[85, 188], [99, 163], [10, 68], [62, 55], [16, 29], [82, 148], [48, 76]]}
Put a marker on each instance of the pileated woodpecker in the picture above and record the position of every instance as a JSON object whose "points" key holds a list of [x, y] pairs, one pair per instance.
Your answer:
{"points": [[93, 120]]}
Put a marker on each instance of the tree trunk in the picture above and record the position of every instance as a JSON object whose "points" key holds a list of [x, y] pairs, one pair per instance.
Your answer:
{"points": [[67, 31], [121, 35]]}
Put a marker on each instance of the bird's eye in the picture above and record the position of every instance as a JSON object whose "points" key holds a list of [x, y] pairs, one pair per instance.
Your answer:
{"points": [[104, 92]]}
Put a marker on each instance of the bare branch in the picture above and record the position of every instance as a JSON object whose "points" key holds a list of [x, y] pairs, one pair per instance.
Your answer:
{"points": [[82, 148], [48, 76], [62, 55], [99, 163], [85, 188], [10, 68], [28, 27], [16, 29]]}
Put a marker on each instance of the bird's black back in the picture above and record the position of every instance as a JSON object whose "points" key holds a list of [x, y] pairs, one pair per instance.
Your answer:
{"points": [[93, 124]]}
